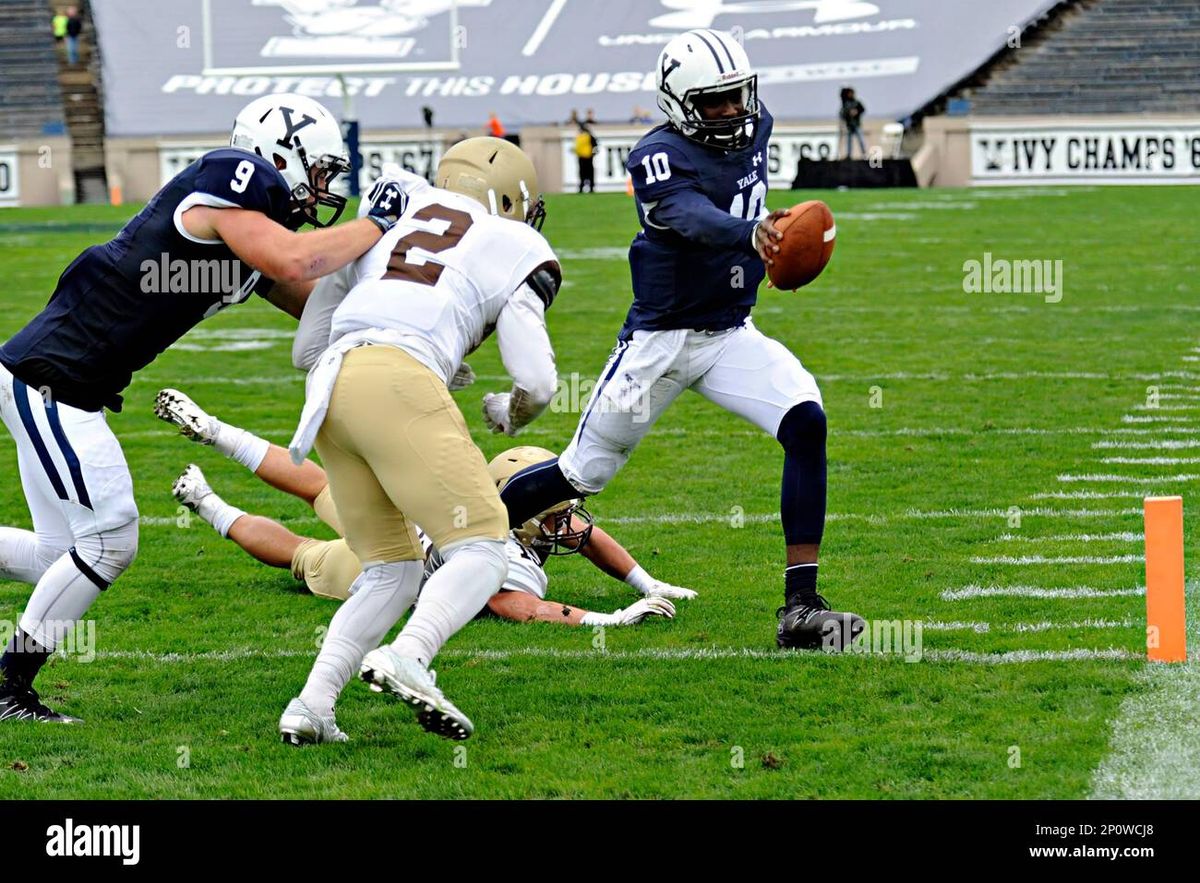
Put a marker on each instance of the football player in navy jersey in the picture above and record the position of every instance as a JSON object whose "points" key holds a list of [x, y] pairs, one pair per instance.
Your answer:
{"points": [[701, 185], [222, 229]]}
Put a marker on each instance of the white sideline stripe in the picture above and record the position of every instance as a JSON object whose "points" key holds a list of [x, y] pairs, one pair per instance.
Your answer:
{"points": [[1120, 537], [967, 592], [665, 655], [1043, 559], [1145, 407], [1132, 479], [1154, 750], [1166, 444], [1152, 461]]}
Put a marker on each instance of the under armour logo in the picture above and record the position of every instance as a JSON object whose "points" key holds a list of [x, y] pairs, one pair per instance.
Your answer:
{"points": [[758, 158], [292, 127]]}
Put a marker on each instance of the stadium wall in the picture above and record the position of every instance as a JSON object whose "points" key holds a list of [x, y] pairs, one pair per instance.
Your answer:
{"points": [[953, 152], [36, 172]]}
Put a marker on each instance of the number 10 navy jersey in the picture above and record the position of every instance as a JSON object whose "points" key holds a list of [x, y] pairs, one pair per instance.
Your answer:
{"points": [[120, 304], [694, 263]]}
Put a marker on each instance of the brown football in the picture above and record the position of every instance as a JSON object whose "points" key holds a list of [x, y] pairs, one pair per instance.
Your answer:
{"points": [[808, 238]]}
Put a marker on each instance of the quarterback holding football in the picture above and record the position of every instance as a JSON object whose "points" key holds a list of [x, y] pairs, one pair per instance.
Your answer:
{"points": [[706, 239]]}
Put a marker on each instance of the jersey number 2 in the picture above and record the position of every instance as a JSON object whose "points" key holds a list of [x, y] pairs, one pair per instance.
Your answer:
{"points": [[427, 272]]}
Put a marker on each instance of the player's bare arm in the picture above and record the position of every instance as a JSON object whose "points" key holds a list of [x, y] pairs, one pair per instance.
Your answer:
{"points": [[279, 253]]}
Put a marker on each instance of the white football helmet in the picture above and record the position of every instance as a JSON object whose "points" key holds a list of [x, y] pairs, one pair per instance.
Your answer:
{"points": [[304, 142], [701, 63]]}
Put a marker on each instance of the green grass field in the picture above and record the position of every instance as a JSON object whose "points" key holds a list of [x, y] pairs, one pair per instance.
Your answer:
{"points": [[960, 427]]}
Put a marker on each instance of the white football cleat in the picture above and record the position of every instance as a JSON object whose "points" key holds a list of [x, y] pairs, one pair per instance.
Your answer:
{"points": [[191, 487], [402, 676], [193, 421], [300, 725]]}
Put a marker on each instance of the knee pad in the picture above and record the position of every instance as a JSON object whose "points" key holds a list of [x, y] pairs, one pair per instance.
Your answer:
{"points": [[803, 428], [109, 553]]}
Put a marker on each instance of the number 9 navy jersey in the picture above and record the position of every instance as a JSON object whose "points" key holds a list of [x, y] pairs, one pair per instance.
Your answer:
{"points": [[694, 264], [120, 304]]}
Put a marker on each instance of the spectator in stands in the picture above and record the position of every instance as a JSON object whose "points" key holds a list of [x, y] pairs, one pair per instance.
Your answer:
{"points": [[591, 118], [59, 25], [74, 29], [585, 152], [851, 116], [641, 115], [494, 128], [573, 119]]}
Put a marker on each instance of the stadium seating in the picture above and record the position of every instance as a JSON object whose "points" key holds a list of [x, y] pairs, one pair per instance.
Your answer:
{"points": [[30, 97], [1114, 56]]}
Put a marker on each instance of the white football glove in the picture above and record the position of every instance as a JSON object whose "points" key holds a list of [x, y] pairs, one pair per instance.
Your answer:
{"points": [[656, 588], [634, 613], [462, 378], [495, 412]]}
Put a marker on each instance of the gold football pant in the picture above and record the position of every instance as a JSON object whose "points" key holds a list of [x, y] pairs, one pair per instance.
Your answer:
{"points": [[397, 452]]}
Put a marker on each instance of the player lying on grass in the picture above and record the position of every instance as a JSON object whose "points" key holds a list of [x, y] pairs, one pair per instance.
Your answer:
{"points": [[701, 186], [222, 229], [329, 568]]}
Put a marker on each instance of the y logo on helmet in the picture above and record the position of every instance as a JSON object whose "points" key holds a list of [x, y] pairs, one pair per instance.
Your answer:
{"points": [[292, 126], [669, 64]]}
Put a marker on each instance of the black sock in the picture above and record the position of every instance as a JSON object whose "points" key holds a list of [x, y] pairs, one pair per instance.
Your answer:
{"points": [[802, 433], [800, 584], [535, 490], [21, 662]]}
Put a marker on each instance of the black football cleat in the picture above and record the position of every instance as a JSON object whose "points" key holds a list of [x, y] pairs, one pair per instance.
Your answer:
{"points": [[25, 705], [805, 626]]}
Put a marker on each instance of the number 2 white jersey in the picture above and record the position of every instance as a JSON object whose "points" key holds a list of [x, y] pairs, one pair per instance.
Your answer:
{"points": [[437, 282]]}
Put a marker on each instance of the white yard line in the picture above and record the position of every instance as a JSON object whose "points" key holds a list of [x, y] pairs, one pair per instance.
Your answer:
{"points": [[1151, 461], [1025, 560], [673, 654], [1147, 481], [1120, 537], [968, 592], [1165, 444]]}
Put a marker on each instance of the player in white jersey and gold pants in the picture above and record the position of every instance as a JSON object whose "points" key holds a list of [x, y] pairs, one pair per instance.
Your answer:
{"points": [[460, 264]]}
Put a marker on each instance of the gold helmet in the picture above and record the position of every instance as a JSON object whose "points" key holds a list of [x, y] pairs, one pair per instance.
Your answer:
{"points": [[497, 174], [549, 532]]}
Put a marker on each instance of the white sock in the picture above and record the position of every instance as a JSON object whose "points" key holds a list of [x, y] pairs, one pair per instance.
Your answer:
{"points": [[456, 592], [240, 445], [379, 597], [218, 513]]}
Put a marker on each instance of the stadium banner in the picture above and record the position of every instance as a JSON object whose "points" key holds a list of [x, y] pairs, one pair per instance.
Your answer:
{"points": [[1106, 153], [533, 62], [10, 179], [789, 144], [419, 155]]}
